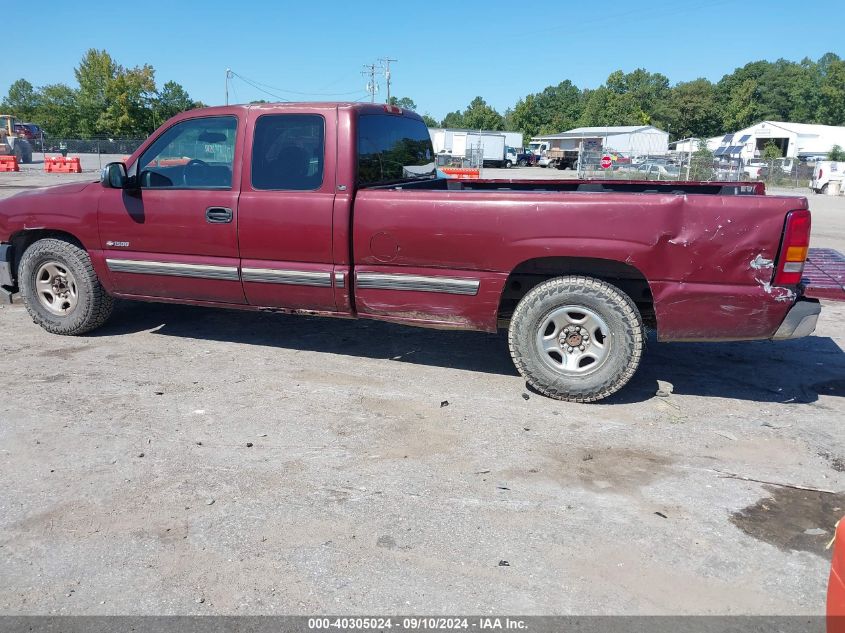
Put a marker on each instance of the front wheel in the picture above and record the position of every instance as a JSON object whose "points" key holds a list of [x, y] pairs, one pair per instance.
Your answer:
{"points": [[60, 289], [576, 338]]}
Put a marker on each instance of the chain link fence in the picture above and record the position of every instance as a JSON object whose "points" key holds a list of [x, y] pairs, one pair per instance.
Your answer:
{"points": [[696, 166], [87, 146]]}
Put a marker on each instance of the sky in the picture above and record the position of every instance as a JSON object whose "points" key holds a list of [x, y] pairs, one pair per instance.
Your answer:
{"points": [[447, 52]]}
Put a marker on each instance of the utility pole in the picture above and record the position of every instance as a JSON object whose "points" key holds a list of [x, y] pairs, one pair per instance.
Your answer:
{"points": [[372, 86], [228, 77], [385, 64]]}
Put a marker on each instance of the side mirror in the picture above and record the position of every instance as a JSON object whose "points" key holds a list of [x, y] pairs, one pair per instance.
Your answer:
{"points": [[114, 176]]}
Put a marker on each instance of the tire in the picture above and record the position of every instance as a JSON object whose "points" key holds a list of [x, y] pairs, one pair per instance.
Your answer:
{"points": [[508, 164], [611, 336], [521, 163], [823, 190], [78, 303]]}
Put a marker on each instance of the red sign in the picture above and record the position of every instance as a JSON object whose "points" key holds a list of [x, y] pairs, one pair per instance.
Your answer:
{"points": [[606, 162]]}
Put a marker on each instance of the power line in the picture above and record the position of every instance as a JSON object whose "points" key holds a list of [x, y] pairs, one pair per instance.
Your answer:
{"points": [[385, 61], [259, 88], [297, 92], [372, 86]]}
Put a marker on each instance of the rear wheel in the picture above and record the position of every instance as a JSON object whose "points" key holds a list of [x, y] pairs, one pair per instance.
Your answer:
{"points": [[60, 289], [823, 189], [576, 338]]}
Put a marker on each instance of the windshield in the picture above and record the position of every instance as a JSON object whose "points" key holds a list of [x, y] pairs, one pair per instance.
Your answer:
{"points": [[393, 148]]}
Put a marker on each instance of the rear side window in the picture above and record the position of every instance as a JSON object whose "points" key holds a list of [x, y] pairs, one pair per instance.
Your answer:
{"points": [[393, 148], [287, 152]]}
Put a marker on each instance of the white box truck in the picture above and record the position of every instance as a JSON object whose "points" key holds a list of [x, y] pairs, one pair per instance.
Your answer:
{"points": [[459, 144]]}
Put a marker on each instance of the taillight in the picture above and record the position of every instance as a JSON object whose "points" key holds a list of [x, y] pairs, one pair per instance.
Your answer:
{"points": [[793, 250], [819, 177], [392, 109]]}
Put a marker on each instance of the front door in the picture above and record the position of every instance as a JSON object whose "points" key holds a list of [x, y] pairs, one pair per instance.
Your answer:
{"points": [[176, 235]]}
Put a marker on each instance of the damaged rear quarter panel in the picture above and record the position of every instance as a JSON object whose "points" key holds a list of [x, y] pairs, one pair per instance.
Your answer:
{"points": [[696, 251]]}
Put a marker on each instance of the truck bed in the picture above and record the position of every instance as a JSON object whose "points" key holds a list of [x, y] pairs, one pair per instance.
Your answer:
{"points": [[592, 186]]}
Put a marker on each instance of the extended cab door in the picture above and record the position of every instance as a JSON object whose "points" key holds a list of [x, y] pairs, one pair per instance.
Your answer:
{"points": [[176, 235], [285, 210]]}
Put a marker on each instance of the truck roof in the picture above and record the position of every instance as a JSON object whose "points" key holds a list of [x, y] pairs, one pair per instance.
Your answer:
{"points": [[371, 108]]}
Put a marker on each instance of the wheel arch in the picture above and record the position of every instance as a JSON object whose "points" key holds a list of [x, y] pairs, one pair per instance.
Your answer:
{"points": [[25, 238], [532, 272]]}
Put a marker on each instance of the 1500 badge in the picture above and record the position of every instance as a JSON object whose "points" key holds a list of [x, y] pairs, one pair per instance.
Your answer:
{"points": [[122, 244]]}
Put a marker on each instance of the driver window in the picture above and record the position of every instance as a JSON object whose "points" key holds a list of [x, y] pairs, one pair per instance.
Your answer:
{"points": [[193, 154]]}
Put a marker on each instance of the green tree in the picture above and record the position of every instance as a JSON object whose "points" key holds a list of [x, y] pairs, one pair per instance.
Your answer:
{"points": [[603, 107], [480, 116], [406, 103], [694, 110], [171, 100], [701, 163], [453, 119], [129, 95], [771, 151], [95, 72], [22, 100], [831, 109], [555, 109], [58, 111], [836, 153], [430, 121]]}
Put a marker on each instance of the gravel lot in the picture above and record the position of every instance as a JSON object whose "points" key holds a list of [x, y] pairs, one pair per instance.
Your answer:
{"points": [[185, 460]]}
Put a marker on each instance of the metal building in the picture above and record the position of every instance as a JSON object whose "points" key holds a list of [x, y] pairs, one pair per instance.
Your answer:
{"points": [[633, 140], [794, 140]]}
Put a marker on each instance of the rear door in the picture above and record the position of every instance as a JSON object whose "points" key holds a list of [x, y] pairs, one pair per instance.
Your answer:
{"points": [[285, 209], [176, 235]]}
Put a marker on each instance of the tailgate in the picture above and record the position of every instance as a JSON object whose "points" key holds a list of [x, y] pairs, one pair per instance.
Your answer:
{"points": [[824, 274]]}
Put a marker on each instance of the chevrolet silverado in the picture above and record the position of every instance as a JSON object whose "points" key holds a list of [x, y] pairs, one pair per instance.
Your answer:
{"points": [[337, 209]]}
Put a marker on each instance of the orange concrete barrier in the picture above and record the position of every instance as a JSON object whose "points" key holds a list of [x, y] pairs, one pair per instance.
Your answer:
{"points": [[836, 583], [9, 163], [62, 165], [173, 162], [461, 173]]}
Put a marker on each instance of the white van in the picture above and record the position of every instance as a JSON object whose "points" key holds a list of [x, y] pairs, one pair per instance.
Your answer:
{"points": [[824, 172]]}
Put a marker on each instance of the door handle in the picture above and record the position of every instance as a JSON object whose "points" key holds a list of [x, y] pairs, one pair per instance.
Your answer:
{"points": [[218, 215]]}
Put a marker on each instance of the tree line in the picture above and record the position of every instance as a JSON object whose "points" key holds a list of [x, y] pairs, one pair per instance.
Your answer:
{"points": [[801, 92], [109, 100], [115, 101]]}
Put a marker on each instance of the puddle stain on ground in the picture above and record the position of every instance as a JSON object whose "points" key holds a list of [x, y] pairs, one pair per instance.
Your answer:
{"points": [[790, 519], [612, 470]]}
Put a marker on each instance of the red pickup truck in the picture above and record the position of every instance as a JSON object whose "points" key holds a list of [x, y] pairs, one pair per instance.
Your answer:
{"points": [[337, 209]]}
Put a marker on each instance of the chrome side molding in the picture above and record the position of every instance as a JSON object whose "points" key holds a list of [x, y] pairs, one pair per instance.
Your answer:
{"points": [[418, 283], [291, 277], [173, 269]]}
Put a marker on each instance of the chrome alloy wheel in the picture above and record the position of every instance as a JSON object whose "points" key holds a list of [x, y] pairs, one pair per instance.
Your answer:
{"points": [[56, 288], [573, 340]]}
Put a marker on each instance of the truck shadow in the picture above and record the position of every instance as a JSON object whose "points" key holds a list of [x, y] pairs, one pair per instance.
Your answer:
{"points": [[763, 371]]}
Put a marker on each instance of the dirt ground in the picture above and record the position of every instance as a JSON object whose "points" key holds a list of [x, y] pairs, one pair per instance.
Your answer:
{"points": [[185, 460]]}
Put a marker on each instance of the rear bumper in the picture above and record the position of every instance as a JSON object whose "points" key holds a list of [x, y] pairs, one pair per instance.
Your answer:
{"points": [[800, 321]]}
